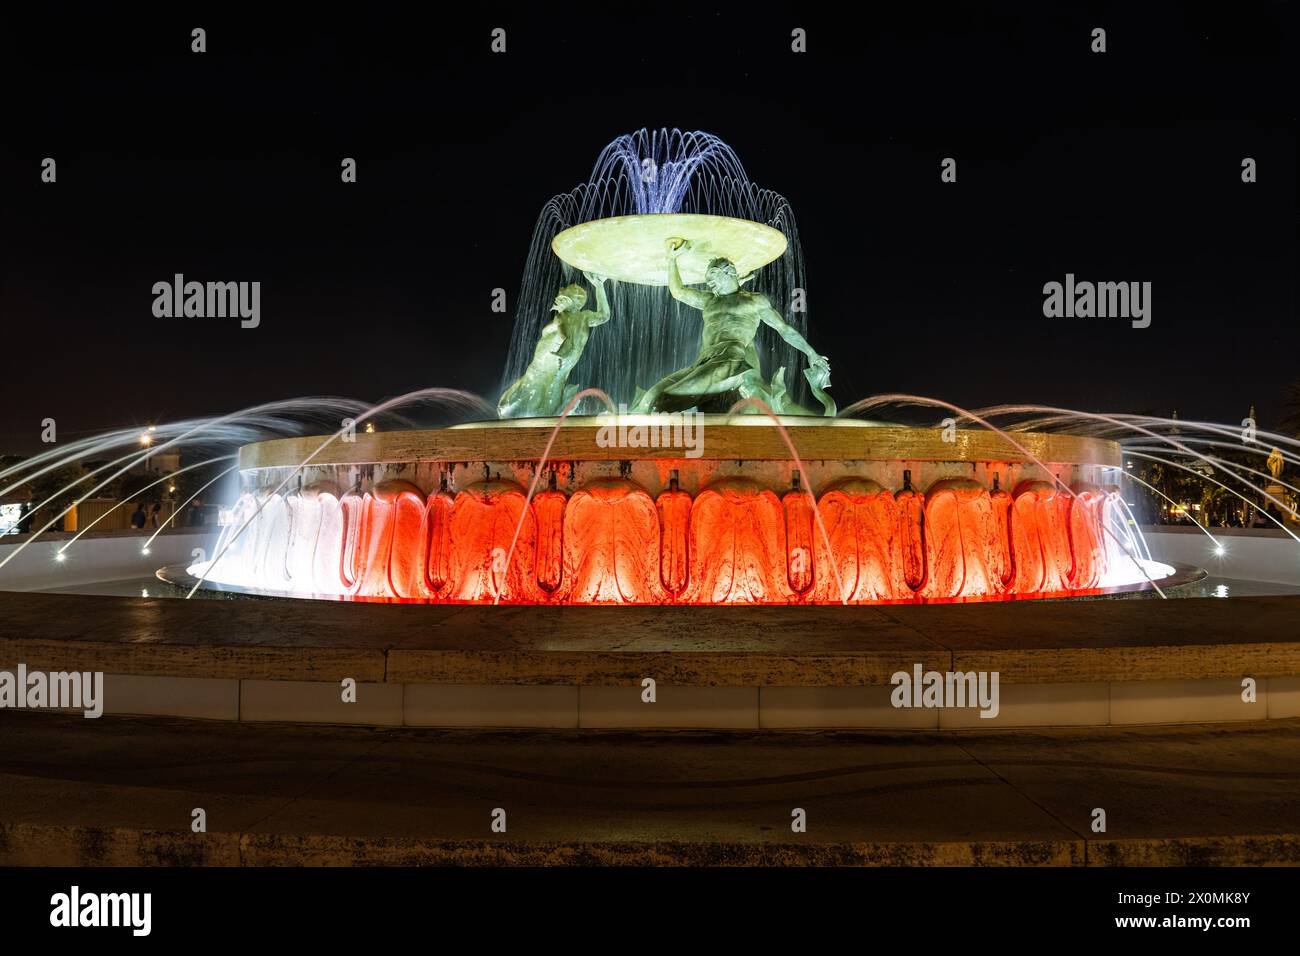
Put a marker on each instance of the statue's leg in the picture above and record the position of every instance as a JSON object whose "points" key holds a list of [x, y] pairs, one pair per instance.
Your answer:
{"points": [[707, 378], [773, 394], [645, 398], [682, 389], [646, 401], [507, 405], [569, 392], [528, 397], [752, 385]]}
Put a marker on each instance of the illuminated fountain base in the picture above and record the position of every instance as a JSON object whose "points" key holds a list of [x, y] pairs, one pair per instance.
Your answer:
{"points": [[722, 516]]}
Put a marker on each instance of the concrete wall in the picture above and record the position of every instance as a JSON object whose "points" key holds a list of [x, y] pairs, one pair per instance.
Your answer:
{"points": [[1253, 554], [560, 707], [96, 557]]}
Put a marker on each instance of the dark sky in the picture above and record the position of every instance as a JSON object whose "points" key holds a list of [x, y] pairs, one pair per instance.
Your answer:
{"points": [[225, 166]]}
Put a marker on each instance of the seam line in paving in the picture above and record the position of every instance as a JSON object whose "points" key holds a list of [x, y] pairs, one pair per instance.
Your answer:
{"points": [[1016, 790], [924, 635]]}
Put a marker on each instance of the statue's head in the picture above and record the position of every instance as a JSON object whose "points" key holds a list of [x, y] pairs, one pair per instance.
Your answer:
{"points": [[570, 299], [721, 277]]}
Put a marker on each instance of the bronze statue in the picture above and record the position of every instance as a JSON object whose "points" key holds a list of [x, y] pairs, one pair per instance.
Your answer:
{"points": [[728, 366], [544, 387]]}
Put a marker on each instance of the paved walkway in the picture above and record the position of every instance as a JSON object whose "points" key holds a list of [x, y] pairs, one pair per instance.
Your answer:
{"points": [[120, 791]]}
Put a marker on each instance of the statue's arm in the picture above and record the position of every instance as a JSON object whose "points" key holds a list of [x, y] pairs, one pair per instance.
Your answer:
{"points": [[602, 313], [773, 320], [695, 298], [818, 372]]}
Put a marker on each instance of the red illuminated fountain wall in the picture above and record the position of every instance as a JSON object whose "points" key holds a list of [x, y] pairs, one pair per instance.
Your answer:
{"points": [[733, 542]]}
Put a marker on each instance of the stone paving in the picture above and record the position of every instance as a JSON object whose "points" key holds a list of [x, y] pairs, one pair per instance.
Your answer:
{"points": [[121, 791]]}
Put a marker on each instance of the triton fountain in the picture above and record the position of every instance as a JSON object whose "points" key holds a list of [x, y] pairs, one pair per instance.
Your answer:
{"points": [[709, 474]]}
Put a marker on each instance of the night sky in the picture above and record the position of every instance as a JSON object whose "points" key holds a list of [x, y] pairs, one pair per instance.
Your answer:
{"points": [[225, 166]]}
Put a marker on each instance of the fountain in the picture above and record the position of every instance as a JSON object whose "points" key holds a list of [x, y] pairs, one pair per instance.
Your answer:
{"points": [[709, 476]]}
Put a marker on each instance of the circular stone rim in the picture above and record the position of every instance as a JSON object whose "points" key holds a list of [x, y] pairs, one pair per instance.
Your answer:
{"points": [[815, 439]]}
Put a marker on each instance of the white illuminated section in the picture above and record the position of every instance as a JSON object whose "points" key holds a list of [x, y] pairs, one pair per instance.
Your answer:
{"points": [[1126, 571]]}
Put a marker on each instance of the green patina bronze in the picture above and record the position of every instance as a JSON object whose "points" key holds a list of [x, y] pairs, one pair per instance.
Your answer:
{"points": [[728, 367], [633, 249], [544, 387]]}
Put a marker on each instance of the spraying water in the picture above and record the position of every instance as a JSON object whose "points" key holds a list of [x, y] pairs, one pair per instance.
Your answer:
{"points": [[650, 334]]}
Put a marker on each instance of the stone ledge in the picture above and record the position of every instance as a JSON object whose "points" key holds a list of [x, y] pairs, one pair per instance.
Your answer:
{"points": [[221, 662], [56, 845], [1065, 642], [577, 440]]}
